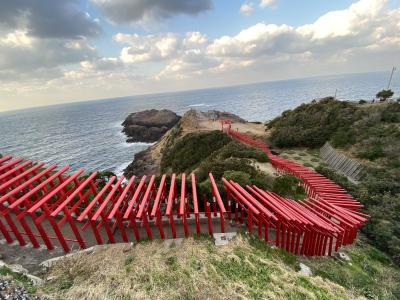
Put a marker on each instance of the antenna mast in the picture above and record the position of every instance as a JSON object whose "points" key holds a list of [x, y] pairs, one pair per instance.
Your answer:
{"points": [[391, 76]]}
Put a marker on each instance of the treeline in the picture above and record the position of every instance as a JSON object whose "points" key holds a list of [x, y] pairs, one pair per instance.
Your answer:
{"points": [[368, 131]]}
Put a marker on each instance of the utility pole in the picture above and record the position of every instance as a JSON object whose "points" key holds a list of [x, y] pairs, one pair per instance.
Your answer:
{"points": [[391, 76]]}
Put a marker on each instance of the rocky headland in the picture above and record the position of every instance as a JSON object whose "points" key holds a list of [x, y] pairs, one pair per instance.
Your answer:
{"points": [[149, 125], [148, 162]]}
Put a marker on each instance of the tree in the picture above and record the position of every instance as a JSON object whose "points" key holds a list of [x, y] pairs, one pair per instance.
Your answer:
{"points": [[384, 95]]}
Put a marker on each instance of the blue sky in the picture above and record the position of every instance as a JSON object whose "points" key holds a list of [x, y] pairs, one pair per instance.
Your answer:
{"points": [[62, 51]]}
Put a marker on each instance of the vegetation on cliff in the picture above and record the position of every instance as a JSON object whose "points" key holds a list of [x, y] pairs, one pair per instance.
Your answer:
{"points": [[187, 152], [216, 152], [370, 132]]}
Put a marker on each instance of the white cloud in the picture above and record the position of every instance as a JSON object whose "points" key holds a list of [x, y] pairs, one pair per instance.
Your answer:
{"points": [[330, 43], [150, 48], [147, 48], [266, 3], [254, 41], [17, 38], [348, 22], [246, 8], [195, 39]]}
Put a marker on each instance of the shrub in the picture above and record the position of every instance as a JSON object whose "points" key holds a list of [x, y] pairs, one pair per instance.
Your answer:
{"points": [[372, 152], [218, 167], [384, 95], [311, 125], [241, 178], [239, 150], [288, 186], [391, 114], [262, 181], [191, 149], [343, 137]]}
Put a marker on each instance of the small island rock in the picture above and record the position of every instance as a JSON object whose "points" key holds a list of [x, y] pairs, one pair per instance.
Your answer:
{"points": [[149, 125]]}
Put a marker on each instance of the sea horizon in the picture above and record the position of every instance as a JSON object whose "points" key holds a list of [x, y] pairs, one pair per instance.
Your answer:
{"points": [[397, 91]]}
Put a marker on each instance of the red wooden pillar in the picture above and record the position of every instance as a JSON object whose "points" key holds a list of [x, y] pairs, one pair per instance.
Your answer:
{"points": [[195, 204], [330, 245], [147, 226], [250, 221], [182, 205], [277, 233]]}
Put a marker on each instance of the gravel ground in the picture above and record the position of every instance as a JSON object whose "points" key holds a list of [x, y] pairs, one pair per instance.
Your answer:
{"points": [[11, 290]]}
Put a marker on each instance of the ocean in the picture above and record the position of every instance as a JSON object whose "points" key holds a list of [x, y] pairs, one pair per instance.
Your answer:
{"points": [[88, 134]]}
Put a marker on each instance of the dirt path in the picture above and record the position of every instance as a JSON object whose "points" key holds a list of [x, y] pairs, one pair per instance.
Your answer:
{"points": [[205, 124]]}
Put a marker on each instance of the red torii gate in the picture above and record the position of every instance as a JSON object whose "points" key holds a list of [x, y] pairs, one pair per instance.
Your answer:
{"points": [[46, 206], [226, 125]]}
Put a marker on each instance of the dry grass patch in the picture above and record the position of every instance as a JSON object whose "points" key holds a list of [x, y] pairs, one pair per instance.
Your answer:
{"points": [[194, 270]]}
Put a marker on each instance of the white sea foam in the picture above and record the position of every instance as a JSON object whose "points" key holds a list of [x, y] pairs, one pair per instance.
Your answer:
{"points": [[119, 171], [199, 105]]}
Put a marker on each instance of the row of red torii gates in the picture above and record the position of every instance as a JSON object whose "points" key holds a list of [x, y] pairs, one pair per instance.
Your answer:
{"points": [[45, 206]]}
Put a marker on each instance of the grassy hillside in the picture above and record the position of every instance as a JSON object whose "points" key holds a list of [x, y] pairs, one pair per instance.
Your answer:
{"points": [[369, 132], [244, 269]]}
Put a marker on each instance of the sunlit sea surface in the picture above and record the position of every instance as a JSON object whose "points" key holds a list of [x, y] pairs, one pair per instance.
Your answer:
{"points": [[88, 134]]}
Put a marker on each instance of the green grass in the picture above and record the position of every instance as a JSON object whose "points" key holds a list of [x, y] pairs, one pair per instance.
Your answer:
{"points": [[370, 273], [20, 278]]}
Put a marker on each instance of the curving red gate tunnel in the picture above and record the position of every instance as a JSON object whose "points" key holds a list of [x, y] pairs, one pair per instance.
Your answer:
{"points": [[51, 207]]}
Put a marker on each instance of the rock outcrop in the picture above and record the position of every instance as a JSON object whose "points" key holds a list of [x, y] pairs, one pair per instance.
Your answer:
{"points": [[148, 162], [144, 163], [223, 115], [149, 125]]}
